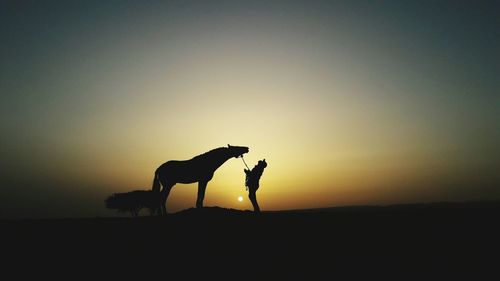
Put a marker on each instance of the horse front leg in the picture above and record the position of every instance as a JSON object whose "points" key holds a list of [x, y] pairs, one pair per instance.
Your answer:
{"points": [[202, 185]]}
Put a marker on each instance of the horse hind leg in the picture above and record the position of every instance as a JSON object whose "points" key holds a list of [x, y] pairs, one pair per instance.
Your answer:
{"points": [[167, 186]]}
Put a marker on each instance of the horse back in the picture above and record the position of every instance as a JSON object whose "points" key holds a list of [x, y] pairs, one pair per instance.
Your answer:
{"points": [[184, 171]]}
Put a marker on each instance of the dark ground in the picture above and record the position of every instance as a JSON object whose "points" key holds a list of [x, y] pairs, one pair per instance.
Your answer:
{"points": [[423, 240]]}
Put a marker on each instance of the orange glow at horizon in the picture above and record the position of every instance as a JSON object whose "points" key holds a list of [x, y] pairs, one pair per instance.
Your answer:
{"points": [[346, 109]]}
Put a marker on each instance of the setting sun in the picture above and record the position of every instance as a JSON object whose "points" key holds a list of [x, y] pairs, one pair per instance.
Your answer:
{"points": [[304, 137], [351, 104]]}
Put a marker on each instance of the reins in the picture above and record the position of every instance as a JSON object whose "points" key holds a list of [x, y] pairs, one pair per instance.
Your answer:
{"points": [[244, 162], [246, 187]]}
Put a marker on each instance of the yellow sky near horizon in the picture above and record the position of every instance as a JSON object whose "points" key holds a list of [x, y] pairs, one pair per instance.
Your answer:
{"points": [[347, 108]]}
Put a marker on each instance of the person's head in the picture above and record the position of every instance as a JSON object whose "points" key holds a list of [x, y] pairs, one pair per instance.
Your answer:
{"points": [[262, 163]]}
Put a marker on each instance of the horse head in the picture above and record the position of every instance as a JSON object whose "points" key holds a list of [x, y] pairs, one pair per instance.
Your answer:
{"points": [[237, 151]]}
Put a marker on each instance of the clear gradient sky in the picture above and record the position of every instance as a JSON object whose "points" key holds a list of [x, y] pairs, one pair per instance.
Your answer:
{"points": [[350, 102]]}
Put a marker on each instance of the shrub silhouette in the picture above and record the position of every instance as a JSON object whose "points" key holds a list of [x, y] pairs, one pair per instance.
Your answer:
{"points": [[134, 201]]}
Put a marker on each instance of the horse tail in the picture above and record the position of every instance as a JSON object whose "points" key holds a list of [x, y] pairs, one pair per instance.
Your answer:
{"points": [[156, 182]]}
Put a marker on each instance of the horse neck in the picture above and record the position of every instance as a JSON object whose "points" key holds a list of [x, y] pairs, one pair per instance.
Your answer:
{"points": [[217, 160]]}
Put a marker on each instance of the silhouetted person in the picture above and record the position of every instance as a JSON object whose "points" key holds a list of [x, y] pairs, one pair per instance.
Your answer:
{"points": [[252, 182]]}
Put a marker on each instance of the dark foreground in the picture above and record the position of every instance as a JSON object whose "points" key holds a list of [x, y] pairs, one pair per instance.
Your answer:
{"points": [[446, 239]]}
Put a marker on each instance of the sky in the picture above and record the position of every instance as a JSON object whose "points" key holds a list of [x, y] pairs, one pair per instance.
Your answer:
{"points": [[349, 102]]}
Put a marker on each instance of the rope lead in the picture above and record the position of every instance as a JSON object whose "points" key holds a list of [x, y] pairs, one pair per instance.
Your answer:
{"points": [[244, 162]]}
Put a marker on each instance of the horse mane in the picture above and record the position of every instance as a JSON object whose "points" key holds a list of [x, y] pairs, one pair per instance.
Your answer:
{"points": [[209, 153]]}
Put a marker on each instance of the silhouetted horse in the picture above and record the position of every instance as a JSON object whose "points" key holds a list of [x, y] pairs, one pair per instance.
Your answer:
{"points": [[198, 169]]}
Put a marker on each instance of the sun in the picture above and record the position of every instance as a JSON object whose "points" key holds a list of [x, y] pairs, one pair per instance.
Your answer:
{"points": [[240, 198]]}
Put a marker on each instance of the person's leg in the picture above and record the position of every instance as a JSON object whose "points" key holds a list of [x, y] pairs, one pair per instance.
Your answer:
{"points": [[253, 198]]}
